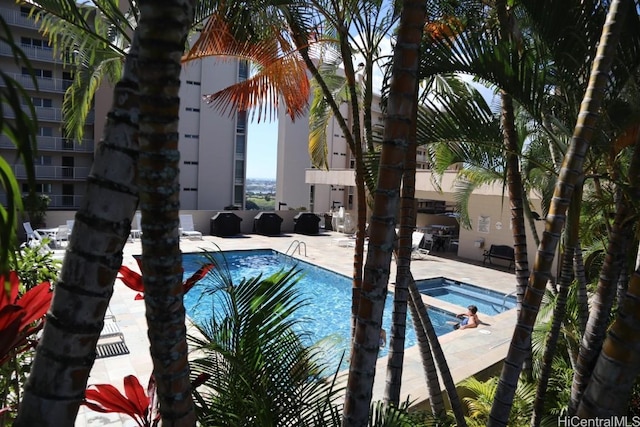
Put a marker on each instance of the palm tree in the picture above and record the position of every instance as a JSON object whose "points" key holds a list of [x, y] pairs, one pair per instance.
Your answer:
{"points": [[163, 33], [257, 367], [396, 139], [90, 267], [571, 169]]}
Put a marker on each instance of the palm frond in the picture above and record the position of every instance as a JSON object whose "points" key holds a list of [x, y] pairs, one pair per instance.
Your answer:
{"points": [[258, 367], [281, 71], [21, 131]]}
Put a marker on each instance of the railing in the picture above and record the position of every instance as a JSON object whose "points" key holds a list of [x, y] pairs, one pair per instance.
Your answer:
{"points": [[54, 172], [297, 244], [18, 18], [49, 114], [65, 201], [53, 143], [44, 83]]}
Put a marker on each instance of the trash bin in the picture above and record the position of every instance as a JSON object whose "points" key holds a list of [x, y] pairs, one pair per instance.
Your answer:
{"points": [[306, 223], [267, 223], [327, 222], [225, 224]]}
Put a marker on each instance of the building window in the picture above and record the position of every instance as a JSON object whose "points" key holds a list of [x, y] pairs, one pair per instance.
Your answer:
{"points": [[45, 131], [240, 144], [238, 195], [42, 161], [243, 70], [37, 72], [37, 43], [239, 173], [39, 188], [41, 102], [241, 123], [25, 11]]}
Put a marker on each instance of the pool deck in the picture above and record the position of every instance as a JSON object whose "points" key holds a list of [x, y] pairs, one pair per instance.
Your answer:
{"points": [[467, 351]]}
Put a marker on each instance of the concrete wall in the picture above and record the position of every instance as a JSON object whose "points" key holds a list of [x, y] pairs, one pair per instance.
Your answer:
{"points": [[491, 224]]}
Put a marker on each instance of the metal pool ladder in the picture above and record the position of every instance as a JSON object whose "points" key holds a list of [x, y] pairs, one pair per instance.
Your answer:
{"points": [[504, 299], [297, 244]]}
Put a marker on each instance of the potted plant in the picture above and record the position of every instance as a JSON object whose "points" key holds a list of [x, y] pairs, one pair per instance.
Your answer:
{"points": [[36, 206]]}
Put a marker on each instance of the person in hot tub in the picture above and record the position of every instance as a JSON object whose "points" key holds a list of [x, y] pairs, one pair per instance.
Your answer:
{"points": [[469, 319]]}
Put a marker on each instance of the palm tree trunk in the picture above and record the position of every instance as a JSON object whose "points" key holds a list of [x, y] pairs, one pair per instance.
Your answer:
{"points": [[403, 271], [66, 351], [355, 145], [163, 31], [396, 139], [559, 310], [579, 273], [617, 367], [602, 301], [436, 401], [438, 354], [571, 169]]}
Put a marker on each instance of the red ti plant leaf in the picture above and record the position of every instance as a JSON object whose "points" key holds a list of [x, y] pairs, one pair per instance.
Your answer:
{"points": [[17, 316], [134, 280], [35, 303], [9, 296], [196, 277], [106, 398], [130, 278]]}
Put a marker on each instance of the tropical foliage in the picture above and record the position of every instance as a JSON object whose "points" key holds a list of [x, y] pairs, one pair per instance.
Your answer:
{"points": [[22, 311], [259, 369]]}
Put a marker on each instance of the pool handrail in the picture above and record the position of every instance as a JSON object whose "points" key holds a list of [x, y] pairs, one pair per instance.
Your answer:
{"points": [[504, 299], [297, 244]]}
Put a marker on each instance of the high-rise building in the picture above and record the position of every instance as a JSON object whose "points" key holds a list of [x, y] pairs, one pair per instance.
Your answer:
{"points": [[61, 165], [212, 144]]}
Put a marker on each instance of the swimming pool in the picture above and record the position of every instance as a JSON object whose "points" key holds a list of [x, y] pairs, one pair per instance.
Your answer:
{"points": [[463, 294], [326, 317]]}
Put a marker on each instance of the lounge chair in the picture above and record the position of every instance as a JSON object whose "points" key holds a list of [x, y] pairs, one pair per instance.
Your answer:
{"points": [[62, 236], [416, 250], [34, 239], [187, 229], [136, 228]]}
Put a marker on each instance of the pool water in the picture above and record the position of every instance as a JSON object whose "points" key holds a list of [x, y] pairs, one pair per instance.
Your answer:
{"points": [[326, 319], [463, 294]]}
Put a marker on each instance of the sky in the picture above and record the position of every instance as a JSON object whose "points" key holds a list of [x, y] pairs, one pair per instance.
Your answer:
{"points": [[262, 143]]}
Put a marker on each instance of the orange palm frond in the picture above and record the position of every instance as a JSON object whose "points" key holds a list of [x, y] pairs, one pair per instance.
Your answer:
{"points": [[446, 27], [281, 72]]}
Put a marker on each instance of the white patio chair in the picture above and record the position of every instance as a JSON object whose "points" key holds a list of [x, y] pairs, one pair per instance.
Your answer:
{"points": [[136, 228], [187, 229], [416, 250], [34, 239], [62, 236]]}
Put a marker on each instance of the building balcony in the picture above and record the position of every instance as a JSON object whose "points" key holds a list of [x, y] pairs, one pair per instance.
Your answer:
{"points": [[33, 53], [18, 18], [44, 84], [52, 143], [62, 173], [49, 115], [64, 201]]}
